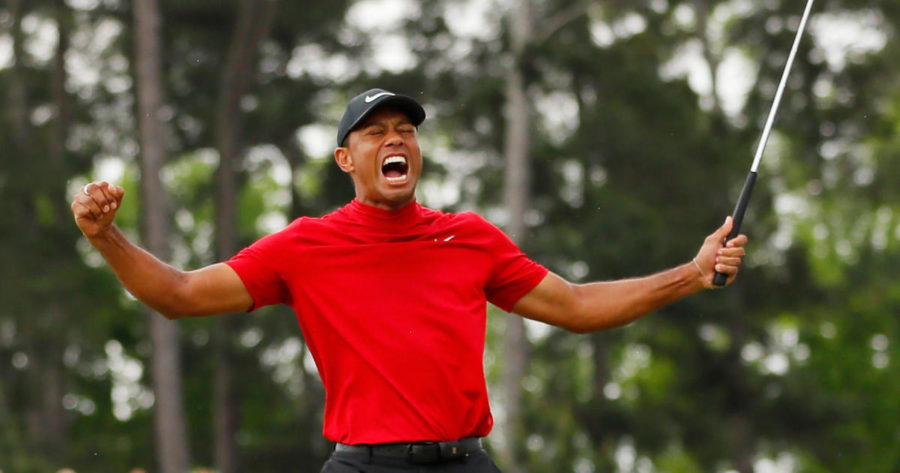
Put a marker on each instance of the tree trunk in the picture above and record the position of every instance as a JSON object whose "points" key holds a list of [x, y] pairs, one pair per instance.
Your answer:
{"points": [[10, 441], [742, 447], [60, 100], [702, 8], [515, 198], [18, 107], [295, 158], [52, 389], [46, 421], [253, 23], [53, 378], [17, 113], [169, 420]]}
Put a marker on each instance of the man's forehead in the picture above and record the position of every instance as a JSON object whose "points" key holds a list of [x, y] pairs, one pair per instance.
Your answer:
{"points": [[386, 114]]}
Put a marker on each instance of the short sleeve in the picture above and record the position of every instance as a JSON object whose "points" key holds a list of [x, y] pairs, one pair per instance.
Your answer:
{"points": [[256, 266], [513, 274]]}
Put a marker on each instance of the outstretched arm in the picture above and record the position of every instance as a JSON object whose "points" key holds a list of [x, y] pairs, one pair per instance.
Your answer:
{"points": [[214, 289], [597, 306]]}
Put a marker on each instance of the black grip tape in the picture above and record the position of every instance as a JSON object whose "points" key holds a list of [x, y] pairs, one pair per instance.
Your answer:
{"points": [[738, 216]]}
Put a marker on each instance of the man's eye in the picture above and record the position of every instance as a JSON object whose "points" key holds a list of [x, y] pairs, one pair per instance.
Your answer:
{"points": [[407, 130]]}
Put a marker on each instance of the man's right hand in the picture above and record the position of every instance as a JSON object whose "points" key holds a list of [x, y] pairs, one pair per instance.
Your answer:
{"points": [[95, 206]]}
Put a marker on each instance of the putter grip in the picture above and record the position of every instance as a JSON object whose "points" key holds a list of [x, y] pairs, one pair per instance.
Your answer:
{"points": [[738, 217]]}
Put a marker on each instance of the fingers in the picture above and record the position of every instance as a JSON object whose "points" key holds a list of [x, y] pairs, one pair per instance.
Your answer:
{"points": [[731, 252], [717, 237], [104, 195], [82, 210], [94, 206], [117, 191], [739, 240], [729, 259], [729, 269], [86, 207], [723, 231], [722, 261], [720, 255]]}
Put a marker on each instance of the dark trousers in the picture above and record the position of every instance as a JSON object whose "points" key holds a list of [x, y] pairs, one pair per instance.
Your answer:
{"points": [[340, 462]]}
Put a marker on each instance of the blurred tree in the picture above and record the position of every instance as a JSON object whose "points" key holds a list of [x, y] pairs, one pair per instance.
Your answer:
{"points": [[171, 439], [516, 152], [253, 22], [46, 287]]}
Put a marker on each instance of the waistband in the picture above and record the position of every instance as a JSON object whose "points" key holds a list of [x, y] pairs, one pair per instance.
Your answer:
{"points": [[417, 452]]}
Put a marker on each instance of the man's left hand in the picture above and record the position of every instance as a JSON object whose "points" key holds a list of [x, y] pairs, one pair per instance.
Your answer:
{"points": [[714, 257]]}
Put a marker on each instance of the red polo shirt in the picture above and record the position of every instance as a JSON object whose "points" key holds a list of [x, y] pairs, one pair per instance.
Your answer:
{"points": [[392, 305]]}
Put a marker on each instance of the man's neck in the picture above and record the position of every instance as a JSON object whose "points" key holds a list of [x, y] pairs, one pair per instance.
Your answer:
{"points": [[391, 206]]}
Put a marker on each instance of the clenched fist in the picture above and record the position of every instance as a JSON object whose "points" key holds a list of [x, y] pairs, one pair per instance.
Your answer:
{"points": [[95, 206]]}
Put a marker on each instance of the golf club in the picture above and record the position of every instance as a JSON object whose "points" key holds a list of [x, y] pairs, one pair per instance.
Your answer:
{"points": [[739, 209]]}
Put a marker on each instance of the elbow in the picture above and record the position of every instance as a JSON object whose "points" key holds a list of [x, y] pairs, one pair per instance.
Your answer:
{"points": [[577, 322], [573, 324], [584, 320], [589, 316], [177, 305], [586, 327], [167, 306], [580, 327], [581, 317], [574, 314], [172, 314], [169, 310]]}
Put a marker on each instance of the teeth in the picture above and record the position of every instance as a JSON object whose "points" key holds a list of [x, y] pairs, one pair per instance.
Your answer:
{"points": [[395, 179], [394, 159]]}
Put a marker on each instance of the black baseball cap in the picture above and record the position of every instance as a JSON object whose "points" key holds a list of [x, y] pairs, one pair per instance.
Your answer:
{"points": [[365, 103]]}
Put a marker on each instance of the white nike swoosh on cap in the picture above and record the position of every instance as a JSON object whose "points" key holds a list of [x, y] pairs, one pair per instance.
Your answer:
{"points": [[370, 98]]}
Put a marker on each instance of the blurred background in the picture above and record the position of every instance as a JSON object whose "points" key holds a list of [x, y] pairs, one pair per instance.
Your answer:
{"points": [[607, 137]]}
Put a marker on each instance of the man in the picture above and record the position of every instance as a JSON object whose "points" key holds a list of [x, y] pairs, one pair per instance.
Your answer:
{"points": [[391, 296]]}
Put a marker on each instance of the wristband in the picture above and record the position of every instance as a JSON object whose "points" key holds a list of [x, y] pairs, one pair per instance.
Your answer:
{"points": [[697, 265]]}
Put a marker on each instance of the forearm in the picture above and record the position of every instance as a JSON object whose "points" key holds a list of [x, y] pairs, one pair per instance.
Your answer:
{"points": [[605, 305], [147, 278]]}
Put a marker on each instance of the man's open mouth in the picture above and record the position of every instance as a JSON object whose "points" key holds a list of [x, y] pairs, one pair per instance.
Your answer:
{"points": [[395, 168]]}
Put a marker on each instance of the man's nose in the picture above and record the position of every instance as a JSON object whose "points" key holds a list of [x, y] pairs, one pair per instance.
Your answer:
{"points": [[394, 138]]}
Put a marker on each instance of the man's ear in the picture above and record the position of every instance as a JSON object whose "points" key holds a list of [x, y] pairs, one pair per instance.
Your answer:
{"points": [[343, 159]]}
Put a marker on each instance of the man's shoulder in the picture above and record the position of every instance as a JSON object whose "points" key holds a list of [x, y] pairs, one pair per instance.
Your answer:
{"points": [[465, 222], [473, 218], [313, 226], [451, 217], [306, 225]]}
